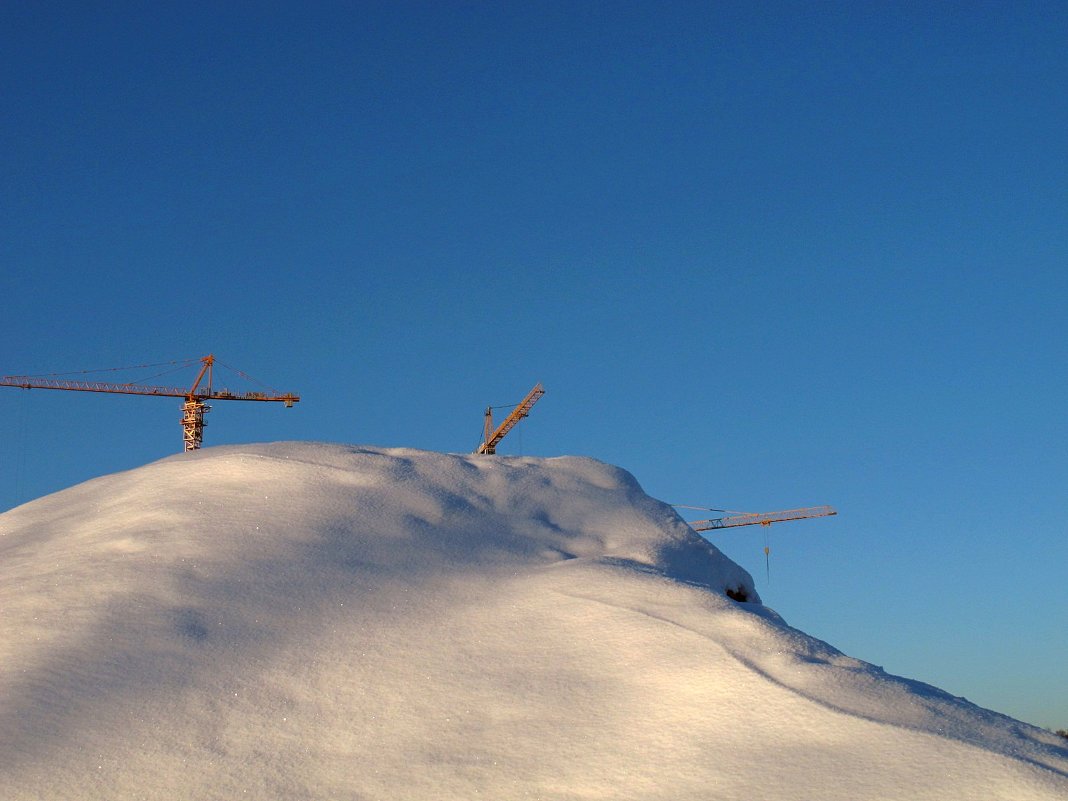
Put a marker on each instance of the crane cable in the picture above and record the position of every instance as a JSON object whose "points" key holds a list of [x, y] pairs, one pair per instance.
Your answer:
{"points": [[159, 375], [20, 451], [707, 509], [176, 365], [180, 362], [247, 377], [767, 551]]}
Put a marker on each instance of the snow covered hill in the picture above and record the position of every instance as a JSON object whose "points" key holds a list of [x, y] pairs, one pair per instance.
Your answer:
{"points": [[301, 621]]}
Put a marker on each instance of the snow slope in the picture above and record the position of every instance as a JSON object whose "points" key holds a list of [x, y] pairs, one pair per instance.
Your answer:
{"points": [[302, 621]]}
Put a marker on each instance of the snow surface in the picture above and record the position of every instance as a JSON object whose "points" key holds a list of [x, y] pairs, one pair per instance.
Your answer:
{"points": [[304, 621]]}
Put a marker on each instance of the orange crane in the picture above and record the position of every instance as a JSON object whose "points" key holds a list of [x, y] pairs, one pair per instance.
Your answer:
{"points": [[491, 438], [762, 518], [193, 409]]}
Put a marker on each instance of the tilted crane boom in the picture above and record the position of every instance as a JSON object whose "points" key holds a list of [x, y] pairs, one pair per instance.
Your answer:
{"points": [[763, 518], [193, 409], [491, 440]]}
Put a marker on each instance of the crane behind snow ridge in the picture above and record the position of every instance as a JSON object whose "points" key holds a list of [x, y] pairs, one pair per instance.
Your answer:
{"points": [[491, 438], [193, 409], [762, 518]]}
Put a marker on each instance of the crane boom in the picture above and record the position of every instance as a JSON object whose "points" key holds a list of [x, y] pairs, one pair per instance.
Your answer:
{"points": [[193, 409], [30, 382], [491, 440], [763, 518]]}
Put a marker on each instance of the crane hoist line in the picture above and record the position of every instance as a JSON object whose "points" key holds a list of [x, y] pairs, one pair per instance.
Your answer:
{"points": [[193, 407]]}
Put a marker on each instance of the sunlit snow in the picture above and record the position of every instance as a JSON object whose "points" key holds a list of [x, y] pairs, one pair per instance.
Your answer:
{"points": [[301, 621]]}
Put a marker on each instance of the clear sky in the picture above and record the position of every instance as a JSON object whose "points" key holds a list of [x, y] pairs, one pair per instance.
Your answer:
{"points": [[762, 255]]}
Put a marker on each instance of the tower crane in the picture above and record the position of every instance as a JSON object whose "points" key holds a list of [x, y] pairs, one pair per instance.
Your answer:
{"points": [[491, 438], [193, 407], [762, 518]]}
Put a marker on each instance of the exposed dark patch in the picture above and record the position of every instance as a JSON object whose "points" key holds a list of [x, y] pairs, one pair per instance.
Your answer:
{"points": [[738, 594]]}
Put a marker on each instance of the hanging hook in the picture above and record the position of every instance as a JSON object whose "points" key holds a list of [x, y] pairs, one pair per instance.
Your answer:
{"points": [[767, 551]]}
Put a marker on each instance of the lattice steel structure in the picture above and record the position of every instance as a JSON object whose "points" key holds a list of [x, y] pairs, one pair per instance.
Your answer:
{"points": [[193, 409], [491, 438]]}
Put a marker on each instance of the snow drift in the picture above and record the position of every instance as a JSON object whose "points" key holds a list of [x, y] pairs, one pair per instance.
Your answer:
{"points": [[300, 621]]}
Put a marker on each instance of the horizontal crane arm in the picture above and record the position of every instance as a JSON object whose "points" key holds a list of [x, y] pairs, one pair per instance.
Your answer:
{"points": [[29, 382], [763, 518]]}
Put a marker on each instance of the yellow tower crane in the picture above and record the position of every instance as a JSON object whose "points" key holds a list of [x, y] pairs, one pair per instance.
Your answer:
{"points": [[193, 407], [490, 437]]}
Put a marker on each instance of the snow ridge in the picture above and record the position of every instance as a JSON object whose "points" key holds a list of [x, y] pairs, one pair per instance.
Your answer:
{"points": [[300, 620]]}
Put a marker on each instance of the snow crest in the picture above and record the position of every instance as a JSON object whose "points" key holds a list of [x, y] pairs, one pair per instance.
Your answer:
{"points": [[312, 621]]}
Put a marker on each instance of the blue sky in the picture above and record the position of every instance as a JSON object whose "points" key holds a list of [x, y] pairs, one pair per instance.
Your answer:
{"points": [[762, 255]]}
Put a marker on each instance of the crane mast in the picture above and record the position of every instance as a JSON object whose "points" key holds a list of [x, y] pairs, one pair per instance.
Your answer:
{"points": [[193, 406], [490, 437]]}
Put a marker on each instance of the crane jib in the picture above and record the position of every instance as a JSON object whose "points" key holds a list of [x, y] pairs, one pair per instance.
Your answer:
{"points": [[763, 518], [491, 440], [25, 382]]}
